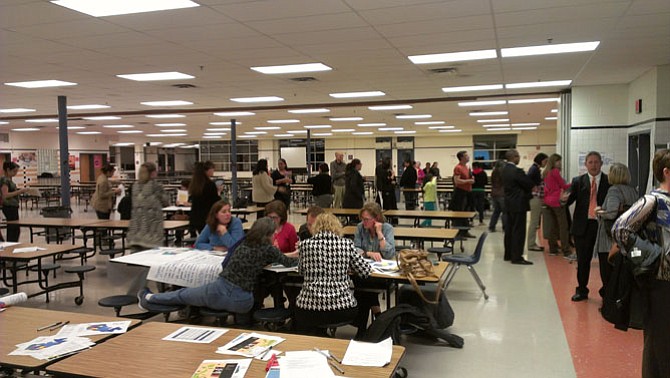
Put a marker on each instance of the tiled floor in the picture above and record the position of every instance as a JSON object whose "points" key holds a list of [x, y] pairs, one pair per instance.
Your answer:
{"points": [[527, 328]]}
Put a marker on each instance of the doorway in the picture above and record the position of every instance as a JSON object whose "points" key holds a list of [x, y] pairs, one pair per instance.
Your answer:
{"points": [[639, 154]]}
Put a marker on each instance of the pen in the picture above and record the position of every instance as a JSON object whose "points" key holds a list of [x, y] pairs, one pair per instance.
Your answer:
{"points": [[336, 367], [328, 355], [59, 325], [266, 352], [49, 326]]}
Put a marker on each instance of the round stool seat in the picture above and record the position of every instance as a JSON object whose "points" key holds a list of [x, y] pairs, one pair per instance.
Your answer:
{"points": [[46, 267], [79, 269], [117, 301], [273, 315], [82, 250], [3, 290]]}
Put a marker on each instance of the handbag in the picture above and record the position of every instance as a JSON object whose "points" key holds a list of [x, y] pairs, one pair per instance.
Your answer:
{"points": [[414, 264]]}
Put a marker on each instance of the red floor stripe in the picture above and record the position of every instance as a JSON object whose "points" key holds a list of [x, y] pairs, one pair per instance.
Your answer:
{"points": [[597, 348]]}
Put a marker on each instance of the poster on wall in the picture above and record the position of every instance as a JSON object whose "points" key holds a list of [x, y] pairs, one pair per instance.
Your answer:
{"points": [[27, 162]]}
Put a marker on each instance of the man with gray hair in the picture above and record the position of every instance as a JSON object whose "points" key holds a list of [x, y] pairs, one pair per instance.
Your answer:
{"points": [[337, 169], [518, 191]]}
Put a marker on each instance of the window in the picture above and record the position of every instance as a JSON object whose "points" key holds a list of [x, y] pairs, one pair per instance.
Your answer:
{"points": [[488, 149], [219, 153]]}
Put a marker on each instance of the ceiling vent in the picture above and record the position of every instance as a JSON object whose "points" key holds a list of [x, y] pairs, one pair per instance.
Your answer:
{"points": [[184, 86], [445, 70], [303, 78]]}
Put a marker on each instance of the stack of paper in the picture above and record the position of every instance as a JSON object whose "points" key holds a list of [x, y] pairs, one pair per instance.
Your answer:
{"points": [[51, 347], [27, 249], [250, 344], [368, 354], [92, 329], [305, 364], [384, 266]]}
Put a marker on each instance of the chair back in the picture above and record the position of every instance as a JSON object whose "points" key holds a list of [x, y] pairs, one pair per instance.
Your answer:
{"points": [[477, 254]]}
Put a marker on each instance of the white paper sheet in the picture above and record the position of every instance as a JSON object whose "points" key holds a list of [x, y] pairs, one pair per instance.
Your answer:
{"points": [[199, 335], [91, 329], [250, 344], [305, 364], [5, 244], [50, 347], [368, 354], [193, 270], [28, 249]]}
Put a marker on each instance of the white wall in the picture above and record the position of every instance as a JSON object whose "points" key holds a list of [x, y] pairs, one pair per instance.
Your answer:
{"points": [[663, 92], [644, 88], [76, 143], [600, 105]]}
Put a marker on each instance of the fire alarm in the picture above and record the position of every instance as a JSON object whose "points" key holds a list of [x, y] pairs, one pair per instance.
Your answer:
{"points": [[638, 106]]}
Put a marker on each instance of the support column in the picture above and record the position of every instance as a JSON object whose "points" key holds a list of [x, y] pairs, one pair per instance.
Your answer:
{"points": [[563, 131], [64, 152], [309, 152], [233, 160]]}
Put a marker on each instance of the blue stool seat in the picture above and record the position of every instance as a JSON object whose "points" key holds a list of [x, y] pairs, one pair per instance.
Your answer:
{"points": [[117, 302], [272, 318]]}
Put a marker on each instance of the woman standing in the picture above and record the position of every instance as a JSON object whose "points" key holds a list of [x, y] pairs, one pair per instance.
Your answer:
{"points": [[103, 197], [10, 195], [651, 213], [385, 182], [146, 221], [497, 196], [554, 215], [354, 186], [262, 190], [222, 230], [326, 260], [322, 185], [203, 194], [479, 189], [420, 174], [282, 178]]}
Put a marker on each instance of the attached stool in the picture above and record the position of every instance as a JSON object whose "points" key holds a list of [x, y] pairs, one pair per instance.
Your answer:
{"points": [[79, 271], [332, 328], [117, 302], [272, 318], [439, 251], [220, 315], [112, 252], [45, 269]]}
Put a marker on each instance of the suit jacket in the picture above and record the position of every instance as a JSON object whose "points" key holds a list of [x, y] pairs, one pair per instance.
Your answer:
{"points": [[580, 191], [518, 188]]}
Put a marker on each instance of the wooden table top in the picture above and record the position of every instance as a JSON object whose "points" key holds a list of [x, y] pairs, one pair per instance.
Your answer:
{"points": [[49, 250], [142, 354], [248, 210], [413, 232], [439, 270], [334, 211], [429, 214], [19, 325], [124, 224], [54, 222]]}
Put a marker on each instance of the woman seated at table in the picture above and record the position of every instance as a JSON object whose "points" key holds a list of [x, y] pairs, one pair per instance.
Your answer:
{"points": [[374, 240], [285, 237], [222, 230], [325, 262], [233, 290]]}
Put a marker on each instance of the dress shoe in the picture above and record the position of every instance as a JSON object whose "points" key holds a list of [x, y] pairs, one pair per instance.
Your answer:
{"points": [[579, 297], [522, 262], [536, 248]]}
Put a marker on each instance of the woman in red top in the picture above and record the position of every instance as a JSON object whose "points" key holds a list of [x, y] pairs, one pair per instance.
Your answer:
{"points": [[554, 214], [285, 237]]}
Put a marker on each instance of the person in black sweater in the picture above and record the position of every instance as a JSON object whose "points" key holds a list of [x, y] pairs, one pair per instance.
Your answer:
{"points": [[408, 181], [322, 186], [478, 189], [385, 181], [354, 191], [203, 195]]}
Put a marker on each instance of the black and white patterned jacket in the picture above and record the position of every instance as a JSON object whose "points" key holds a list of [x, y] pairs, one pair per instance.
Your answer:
{"points": [[325, 262]]}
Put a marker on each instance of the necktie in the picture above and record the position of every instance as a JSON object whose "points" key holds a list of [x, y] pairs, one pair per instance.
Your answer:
{"points": [[592, 199]]}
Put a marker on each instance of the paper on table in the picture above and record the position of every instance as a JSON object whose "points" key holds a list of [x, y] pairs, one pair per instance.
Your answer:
{"points": [[27, 249], [368, 354], [50, 347], [279, 268], [91, 329], [222, 368], [195, 269], [250, 344], [8, 244], [182, 196], [305, 364], [198, 335]]}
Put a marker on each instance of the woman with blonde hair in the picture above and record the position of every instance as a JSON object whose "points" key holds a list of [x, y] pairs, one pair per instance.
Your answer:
{"points": [[325, 262], [554, 214]]}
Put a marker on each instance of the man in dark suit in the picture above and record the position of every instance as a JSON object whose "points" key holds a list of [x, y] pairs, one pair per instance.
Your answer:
{"points": [[518, 191], [588, 191]]}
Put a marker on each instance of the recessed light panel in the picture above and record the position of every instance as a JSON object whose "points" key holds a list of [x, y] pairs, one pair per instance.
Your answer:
{"points": [[390, 128], [346, 119], [309, 111], [118, 126], [17, 110], [88, 107], [167, 103], [130, 131], [532, 100], [42, 120], [267, 128], [539, 84], [172, 124], [292, 68], [482, 103], [234, 114], [453, 57], [26, 129], [165, 116], [472, 88], [88, 132], [41, 84], [102, 118], [156, 76], [280, 121], [317, 126], [373, 124], [357, 94], [493, 120], [390, 107], [549, 49], [102, 8], [255, 99], [484, 114], [413, 116], [424, 123]]}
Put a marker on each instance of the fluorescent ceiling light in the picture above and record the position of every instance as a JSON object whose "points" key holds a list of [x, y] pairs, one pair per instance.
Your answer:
{"points": [[482, 103], [308, 111], [453, 57], [165, 135], [322, 134], [525, 128], [215, 134], [211, 137], [440, 127], [343, 130], [317, 126], [4, 123], [292, 68], [450, 131], [413, 116], [554, 110], [284, 135], [493, 120], [234, 114], [483, 114], [390, 107], [297, 131], [539, 84], [549, 49], [155, 143], [255, 99], [219, 129], [471, 88], [74, 127], [102, 118], [88, 132], [406, 132], [122, 144], [375, 124], [362, 133], [268, 128], [42, 120], [88, 107], [551, 118], [173, 124], [255, 132], [527, 124], [425, 123], [532, 100], [17, 110], [100, 8], [224, 123], [280, 121], [173, 131], [167, 103], [497, 125], [500, 129], [166, 116], [130, 131], [346, 119], [156, 76], [174, 145], [357, 94], [247, 136], [118, 126], [41, 84], [390, 128], [27, 129]]}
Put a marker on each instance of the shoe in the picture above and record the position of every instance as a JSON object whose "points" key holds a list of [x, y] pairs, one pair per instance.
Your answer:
{"points": [[492, 230], [142, 302], [522, 262], [571, 257], [469, 235], [536, 248], [579, 297]]}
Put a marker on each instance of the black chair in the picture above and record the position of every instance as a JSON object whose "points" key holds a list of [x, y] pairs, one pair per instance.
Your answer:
{"points": [[469, 261], [79, 271]]}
